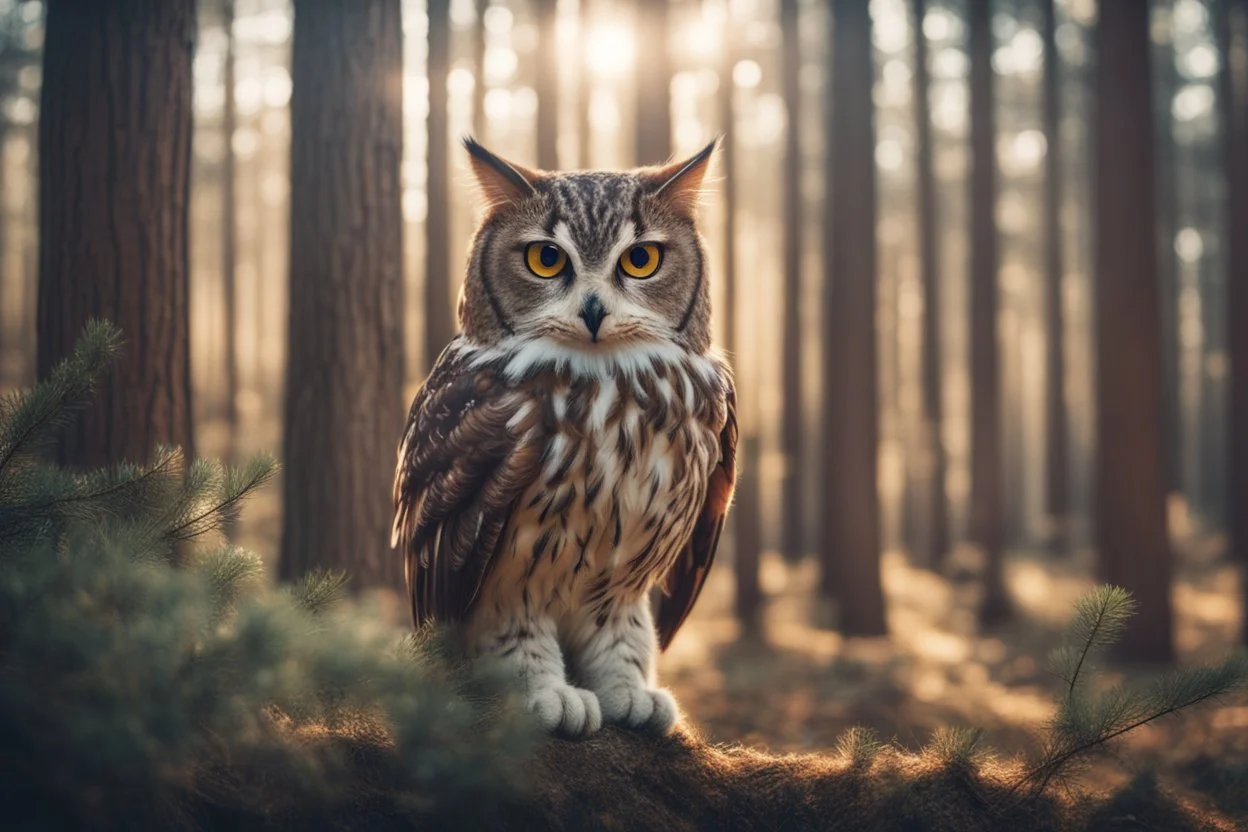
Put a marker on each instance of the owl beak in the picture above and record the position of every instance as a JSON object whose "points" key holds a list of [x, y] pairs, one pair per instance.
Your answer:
{"points": [[592, 313]]}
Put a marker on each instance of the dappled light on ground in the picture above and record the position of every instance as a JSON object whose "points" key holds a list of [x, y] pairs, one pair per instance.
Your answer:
{"points": [[801, 686]]}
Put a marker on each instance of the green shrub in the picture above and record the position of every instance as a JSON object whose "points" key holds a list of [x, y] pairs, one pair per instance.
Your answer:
{"points": [[147, 676]]}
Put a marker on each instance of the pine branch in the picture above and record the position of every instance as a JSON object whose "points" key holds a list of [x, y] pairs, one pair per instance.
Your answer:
{"points": [[859, 745], [1051, 767], [1082, 724], [1103, 613], [240, 482], [319, 591], [42, 408], [955, 746], [232, 486], [118, 480], [227, 571]]}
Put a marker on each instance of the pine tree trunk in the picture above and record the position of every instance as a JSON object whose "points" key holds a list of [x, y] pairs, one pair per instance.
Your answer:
{"points": [[439, 323], [1057, 499], [114, 190], [1130, 487], [1233, 87], [547, 59], [747, 536], [1168, 198], [478, 72], [7, 332], [584, 87], [1209, 484], [936, 541], [229, 229], [987, 487], [850, 554], [654, 77], [792, 494], [344, 408]]}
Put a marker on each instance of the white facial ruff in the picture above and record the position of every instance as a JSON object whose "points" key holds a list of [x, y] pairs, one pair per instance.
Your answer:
{"points": [[526, 354]]}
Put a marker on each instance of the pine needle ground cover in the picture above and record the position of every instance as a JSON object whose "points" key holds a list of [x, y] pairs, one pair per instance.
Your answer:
{"points": [[150, 679]]}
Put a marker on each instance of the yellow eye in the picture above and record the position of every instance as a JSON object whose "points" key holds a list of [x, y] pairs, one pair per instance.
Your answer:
{"points": [[545, 259], [641, 260]]}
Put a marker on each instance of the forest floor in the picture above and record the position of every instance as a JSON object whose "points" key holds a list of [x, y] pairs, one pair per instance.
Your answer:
{"points": [[796, 686]]}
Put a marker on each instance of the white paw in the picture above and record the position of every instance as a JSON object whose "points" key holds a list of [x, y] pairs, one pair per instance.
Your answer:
{"points": [[635, 707], [573, 712]]}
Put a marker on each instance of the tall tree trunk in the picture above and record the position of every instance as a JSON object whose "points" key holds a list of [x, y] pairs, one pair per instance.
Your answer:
{"points": [[1168, 267], [654, 77], [936, 541], [114, 190], [1057, 498], [229, 228], [1212, 408], [1233, 87], [584, 87], [792, 494], [478, 72], [7, 332], [439, 323], [1130, 487], [547, 56], [850, 554], [344, 408], [987, 522], [747, 536]]}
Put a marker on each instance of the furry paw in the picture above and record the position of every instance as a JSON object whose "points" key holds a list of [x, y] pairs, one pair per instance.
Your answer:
{"points": [[635, 707], [572, 712]]}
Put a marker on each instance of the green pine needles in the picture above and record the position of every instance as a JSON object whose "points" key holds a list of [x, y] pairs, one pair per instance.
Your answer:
{"points": [[1088, 719], [147, 677]]}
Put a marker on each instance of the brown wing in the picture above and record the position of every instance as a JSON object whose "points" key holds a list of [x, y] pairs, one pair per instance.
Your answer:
{"points": [[687, 576], [470, 449]]}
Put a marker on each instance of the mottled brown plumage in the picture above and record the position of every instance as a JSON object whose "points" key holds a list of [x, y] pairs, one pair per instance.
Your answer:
{"points": [[576, 445]]}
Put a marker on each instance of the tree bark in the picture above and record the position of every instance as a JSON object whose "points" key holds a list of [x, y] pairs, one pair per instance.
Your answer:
{"points": [[654, 77], [584, 88], [114, 190], [747, 536], [850, 554], [547, 57], [229, 229], [1130, 487], [936, 540], [1057, 498], [344, 408], [1233, 88], [7, 333], [792, 494], [478, 72], [439, 322], [1168, 198], [1210, 489], [987, 486]]}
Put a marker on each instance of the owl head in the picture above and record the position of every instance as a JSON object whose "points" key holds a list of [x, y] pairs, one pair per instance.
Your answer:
{"points": [[594, 261]]}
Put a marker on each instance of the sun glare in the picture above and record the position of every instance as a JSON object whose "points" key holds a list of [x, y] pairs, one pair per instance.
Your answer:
{"points": [[610, 50]]}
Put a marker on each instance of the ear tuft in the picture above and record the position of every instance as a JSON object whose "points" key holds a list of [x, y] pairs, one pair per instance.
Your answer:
{"points": [[500, 181], [679, 184]]}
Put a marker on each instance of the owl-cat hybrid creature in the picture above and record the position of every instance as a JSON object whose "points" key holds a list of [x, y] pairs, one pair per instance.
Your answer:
{"points": [[575, 445]]}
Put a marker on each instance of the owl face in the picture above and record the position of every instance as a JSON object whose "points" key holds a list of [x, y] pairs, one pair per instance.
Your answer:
{"points": [[593, 261]]}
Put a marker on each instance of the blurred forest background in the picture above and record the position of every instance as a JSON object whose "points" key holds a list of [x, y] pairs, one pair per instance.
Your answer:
{"points": [[981, 267]]}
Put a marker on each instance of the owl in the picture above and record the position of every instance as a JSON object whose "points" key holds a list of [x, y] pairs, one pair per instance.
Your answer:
{"points": [[574, 446]]}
